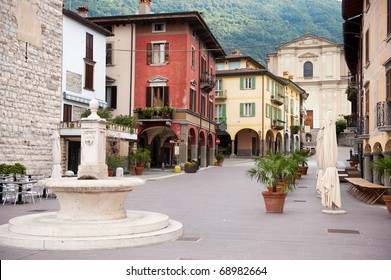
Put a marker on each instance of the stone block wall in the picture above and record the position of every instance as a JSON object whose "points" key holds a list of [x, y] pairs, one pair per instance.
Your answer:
{"points": [[30, 81]]}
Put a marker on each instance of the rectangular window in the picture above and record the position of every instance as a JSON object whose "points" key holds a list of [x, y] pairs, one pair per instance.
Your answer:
{"points": [[210, 110], [111, 97], [367, 47], [220, 112], [193, 98], [89, 76], [367, 100], [67, 113], [268, 110], [193, 57], [203, 105], [247, 109], [109, 54], [157, 97], [388, 84], [247, 83], [158, 27], [158, 53], [89, 46]]}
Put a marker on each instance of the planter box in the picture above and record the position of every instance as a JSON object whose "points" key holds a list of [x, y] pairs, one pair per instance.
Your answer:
{"points": [[190, 168]]}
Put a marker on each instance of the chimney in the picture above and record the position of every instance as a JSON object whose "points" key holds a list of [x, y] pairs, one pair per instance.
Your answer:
{"points": [[82, 11], [285, 74], [235, 52], [144, 7], [290, 77]]}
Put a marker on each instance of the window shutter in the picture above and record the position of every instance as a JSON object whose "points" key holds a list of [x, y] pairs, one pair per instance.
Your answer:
{"points": [[253, 82], [114, 97], [241, 109], [167, 53], [253, 109], [224, 110], [241, 83], [166, 100], [149, 53], [148, 97]]}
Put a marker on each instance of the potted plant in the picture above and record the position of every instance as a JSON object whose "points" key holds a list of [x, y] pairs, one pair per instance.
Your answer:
{"points": [[139, 158], [383, 166], [190, 167], [220, 159], [271, 170], [301, 157], [113, 162]]}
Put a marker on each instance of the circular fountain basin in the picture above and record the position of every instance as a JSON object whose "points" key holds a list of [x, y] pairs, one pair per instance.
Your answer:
{"points": [[91, 200]]}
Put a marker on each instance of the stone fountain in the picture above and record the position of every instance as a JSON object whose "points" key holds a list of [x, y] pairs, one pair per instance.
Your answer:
{"points": [[92, 213]]}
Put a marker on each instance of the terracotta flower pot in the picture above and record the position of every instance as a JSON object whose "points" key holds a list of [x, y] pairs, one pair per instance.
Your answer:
{"points": [[139, 170], [274, 201], [387, 201], [303, 170]]}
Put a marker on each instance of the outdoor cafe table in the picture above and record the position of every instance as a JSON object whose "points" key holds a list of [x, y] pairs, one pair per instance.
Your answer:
{"points": [[20, 184]]}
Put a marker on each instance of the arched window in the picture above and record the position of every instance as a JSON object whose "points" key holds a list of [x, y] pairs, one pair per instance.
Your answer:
{"points": [[308, 69]]}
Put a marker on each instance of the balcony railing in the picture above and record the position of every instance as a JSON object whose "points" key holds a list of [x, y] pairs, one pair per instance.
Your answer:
{"points": [[221, 94], [277, 99], [153, 114], [73, 128], [207, 82], [383, 116], [219, 119], [277, 124]]}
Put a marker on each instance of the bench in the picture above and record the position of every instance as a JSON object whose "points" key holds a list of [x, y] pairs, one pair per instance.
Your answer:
{"points": [[366, 191]]}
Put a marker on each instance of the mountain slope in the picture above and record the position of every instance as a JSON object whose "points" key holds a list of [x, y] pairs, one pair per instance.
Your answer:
{"points": [[255, 27]]}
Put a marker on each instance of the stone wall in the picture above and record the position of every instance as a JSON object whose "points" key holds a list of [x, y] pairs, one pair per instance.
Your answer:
{"points": [[30, 81]]}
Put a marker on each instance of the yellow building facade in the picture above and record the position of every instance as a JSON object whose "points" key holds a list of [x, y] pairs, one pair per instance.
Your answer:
{"points": [[255, 110]]}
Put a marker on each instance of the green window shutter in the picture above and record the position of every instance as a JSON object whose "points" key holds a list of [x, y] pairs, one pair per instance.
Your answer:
{"points": [[253, 109], [224, 110], [268, 84], [273, 88], [241, 83], [253, 82], [241, 109], [280, 114], [267, 111]]}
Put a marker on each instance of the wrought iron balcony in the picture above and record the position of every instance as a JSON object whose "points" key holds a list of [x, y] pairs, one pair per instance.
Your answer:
{"points": [[207, 82], [383, 116], [277, 99], [155, 114], [277, 124]]}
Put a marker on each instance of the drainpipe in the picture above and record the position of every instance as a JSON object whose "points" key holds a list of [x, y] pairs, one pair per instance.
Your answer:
{"points": [[131, 97], [263, 118], [199, 102]]}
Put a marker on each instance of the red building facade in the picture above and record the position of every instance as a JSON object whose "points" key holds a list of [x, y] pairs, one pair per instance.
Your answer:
{"points": [[173, 80]]}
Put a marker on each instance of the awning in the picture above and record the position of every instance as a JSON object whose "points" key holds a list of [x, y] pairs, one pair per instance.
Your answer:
{"points": [[351, 36], [351, 8]]}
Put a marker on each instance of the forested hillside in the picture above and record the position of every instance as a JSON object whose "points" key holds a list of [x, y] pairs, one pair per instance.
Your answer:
{"points": [[255, 27]]}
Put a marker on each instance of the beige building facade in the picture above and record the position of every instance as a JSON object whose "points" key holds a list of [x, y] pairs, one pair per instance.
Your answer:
{"points": [[367, 35], [318, 66]]}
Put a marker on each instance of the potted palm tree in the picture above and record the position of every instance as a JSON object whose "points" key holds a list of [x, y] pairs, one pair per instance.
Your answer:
{"points": [[139, 158], [301, 156], [383, 166], [271, 170]]}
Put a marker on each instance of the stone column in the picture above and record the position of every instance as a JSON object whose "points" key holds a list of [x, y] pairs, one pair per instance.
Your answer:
{"points": [[367, 171], [233, 149], [376, 175], [203, 156]]}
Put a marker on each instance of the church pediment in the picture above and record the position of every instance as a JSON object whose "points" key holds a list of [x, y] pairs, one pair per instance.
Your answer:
{"points": [[308, 55]]}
